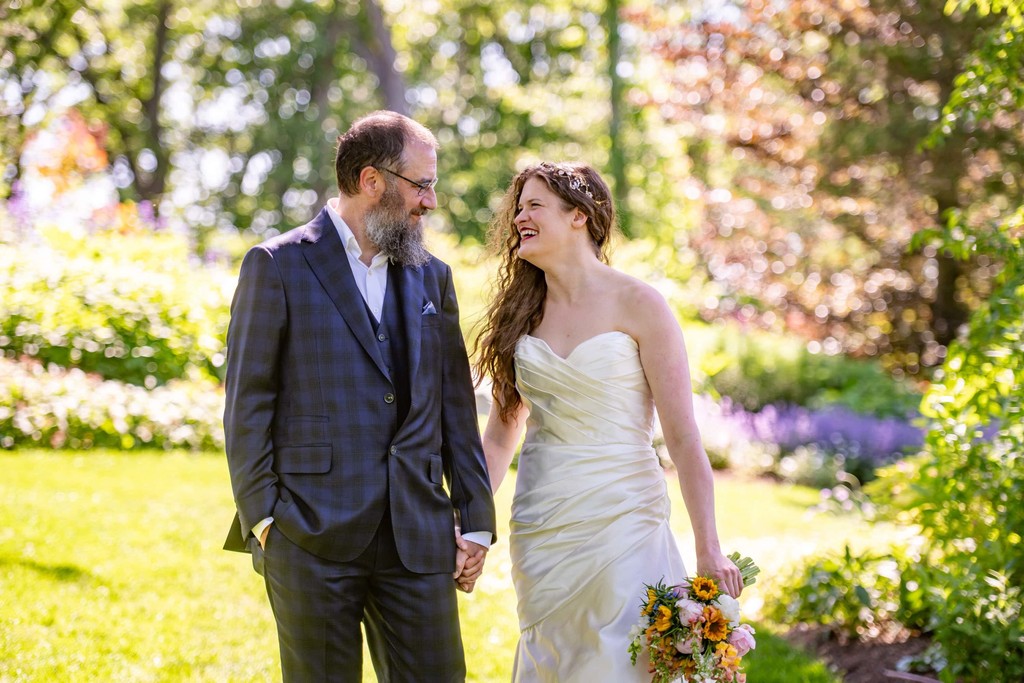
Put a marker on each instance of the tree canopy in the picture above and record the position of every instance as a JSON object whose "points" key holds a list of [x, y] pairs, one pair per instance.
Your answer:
{"points": [[778, 158]]}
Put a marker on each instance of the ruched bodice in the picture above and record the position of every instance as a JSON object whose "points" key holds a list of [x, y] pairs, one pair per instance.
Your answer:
{"points": [[596, 395], [590, 517]]}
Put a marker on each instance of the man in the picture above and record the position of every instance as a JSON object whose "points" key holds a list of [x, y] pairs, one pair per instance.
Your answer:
{"points": [[349, 402]]}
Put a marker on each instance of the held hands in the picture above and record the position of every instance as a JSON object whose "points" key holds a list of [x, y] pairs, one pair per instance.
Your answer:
{"points": [[469, 563], [723, 570]]}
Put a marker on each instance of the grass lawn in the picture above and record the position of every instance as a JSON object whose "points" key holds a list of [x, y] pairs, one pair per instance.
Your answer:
{"points": [[111, 570]]}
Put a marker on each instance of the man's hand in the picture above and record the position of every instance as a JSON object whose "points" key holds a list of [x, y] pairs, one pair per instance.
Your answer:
{"points": [[469, 563], [263, 536]]}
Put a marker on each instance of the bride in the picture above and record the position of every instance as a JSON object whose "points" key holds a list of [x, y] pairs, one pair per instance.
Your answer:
{"points": [[580, 354]]}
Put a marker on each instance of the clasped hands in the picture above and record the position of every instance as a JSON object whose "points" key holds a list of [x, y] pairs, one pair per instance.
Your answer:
{"points": [[469, 562]]}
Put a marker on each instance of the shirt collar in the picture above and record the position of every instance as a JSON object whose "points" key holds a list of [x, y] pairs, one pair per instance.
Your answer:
{"points": [[348, 238]]}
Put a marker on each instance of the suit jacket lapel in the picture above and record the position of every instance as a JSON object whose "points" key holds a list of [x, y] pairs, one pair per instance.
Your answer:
{"points": [[410, 291], [326, 256]]}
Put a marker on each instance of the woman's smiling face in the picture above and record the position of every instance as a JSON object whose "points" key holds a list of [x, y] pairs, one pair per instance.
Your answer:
{"points": [[543, 222]]}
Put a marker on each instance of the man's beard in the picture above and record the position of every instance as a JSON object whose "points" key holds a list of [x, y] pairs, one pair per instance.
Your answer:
{"points": [[390, 229]]}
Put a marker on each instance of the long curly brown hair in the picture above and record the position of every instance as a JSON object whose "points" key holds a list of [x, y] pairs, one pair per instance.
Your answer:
{"points": [[520, 288]]}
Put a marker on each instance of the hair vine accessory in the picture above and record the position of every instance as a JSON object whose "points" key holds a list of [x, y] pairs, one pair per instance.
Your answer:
{"points": [[576, 182]]}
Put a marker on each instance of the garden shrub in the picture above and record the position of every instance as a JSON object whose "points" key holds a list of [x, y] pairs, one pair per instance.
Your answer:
{"points": [[58, 408], [965, 490], [129, 307], [757, 369], [966, 493], [852, 595]]}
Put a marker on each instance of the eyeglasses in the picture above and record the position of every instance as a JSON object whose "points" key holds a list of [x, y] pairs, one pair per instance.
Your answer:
{"points": [[423, 187]]}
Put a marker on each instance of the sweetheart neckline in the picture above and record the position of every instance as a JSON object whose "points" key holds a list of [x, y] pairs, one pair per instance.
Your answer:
{"points": [[582, 343]]}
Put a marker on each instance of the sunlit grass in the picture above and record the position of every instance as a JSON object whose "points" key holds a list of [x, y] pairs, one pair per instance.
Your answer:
{"points": [[775, 661], [111, 569]]}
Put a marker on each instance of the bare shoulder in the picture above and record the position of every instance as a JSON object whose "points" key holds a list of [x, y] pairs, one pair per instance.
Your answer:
{"points": [[640, 307]]}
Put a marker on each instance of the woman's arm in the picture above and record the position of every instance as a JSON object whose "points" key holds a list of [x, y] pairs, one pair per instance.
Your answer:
{"points": [[663, 355], [500, 440]]}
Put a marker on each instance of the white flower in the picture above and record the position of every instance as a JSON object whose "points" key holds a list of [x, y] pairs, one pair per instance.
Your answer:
{"points": [[730, 608]]}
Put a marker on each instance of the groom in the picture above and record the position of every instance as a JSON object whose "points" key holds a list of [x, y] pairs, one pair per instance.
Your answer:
{"points": [[349, 403]]}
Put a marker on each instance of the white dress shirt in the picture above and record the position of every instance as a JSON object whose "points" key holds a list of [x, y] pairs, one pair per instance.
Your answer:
{"points": [[372, 281]]}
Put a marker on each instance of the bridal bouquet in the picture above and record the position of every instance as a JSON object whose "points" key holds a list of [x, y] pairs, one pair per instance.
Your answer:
{"points": [[693, 632]]}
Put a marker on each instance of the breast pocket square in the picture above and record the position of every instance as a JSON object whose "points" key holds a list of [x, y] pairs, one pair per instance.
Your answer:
{"points": [[428, 309]]}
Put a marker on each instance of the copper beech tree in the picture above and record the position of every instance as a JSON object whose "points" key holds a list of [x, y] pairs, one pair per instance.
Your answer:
{"points": [[808, 130]]}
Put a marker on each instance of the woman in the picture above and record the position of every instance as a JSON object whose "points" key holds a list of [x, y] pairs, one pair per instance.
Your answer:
{"points": [[580, 354]]}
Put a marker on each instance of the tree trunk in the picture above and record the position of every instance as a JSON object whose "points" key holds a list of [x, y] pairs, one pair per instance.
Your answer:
{"points": [[616, 158], [323, 75], [382, 59], [948, 314], [151, 185]]}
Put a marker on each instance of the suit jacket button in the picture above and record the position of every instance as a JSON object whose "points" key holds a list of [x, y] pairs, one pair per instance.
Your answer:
{"points": [[394, 450], [382, 337], [389, 398]]}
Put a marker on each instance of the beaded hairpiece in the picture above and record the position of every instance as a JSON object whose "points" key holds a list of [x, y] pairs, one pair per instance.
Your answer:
{"points": [[576, 182]]}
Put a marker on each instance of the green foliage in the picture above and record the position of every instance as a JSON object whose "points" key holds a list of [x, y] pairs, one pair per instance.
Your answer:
{"points": [[776, 661], [117, 56], [69, 409], [129, 307], [757, 369], [980, 626], [966, 492], [813, 185], [851, 594], [990, 84], [256, 94]]}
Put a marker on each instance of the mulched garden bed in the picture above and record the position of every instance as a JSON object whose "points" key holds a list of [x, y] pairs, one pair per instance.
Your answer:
{"points": [[865, 661]]}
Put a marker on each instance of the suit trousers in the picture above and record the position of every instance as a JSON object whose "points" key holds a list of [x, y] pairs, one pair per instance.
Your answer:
{"points": [[411, 620]]}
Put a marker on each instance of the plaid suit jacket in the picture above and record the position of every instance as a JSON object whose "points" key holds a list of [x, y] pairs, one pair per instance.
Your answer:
{"points": [[310, 418]]}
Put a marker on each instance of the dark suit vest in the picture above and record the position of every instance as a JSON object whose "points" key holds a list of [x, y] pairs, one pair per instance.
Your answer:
{"points": [[394, 346]]}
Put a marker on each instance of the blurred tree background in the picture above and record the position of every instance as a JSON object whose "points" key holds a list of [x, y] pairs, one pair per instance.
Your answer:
{"points": [[829, 193], [778, 151]]}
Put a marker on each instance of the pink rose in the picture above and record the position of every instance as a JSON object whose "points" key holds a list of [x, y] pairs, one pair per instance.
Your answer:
{"points": [[742, 638], [687, 646], [689, 610]]}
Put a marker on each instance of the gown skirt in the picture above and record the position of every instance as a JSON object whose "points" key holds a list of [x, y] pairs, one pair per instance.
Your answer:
{"points": [[590, 516]]}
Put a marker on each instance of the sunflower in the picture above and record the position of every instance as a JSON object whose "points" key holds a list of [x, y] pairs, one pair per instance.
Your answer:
{"points": [[704, 588], [663, 621], [651, 597], [716, 627]]}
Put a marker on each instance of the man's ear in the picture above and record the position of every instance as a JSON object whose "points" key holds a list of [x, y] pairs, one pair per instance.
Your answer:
{"points": [[371, 182]]}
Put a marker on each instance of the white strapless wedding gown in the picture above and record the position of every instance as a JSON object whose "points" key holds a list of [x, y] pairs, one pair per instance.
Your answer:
{"points": [[590, 517]]}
